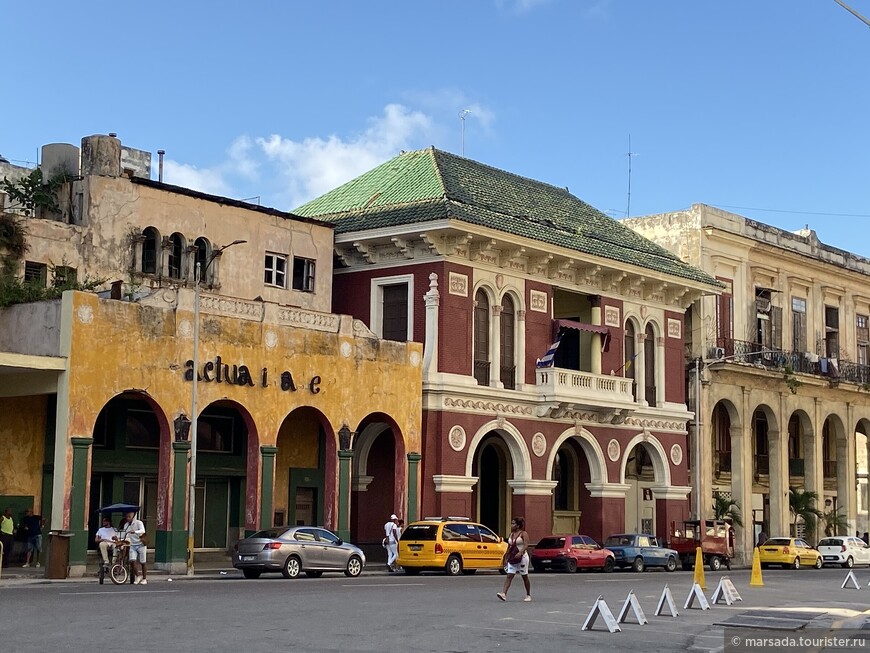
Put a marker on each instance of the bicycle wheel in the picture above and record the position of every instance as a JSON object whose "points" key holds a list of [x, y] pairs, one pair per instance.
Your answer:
{"points": [[119, 573]]}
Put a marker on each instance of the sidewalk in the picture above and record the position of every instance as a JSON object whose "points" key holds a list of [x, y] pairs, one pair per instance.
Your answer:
{"points": [[207, 567]]}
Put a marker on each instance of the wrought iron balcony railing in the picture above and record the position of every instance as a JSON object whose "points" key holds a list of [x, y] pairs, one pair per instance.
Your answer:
{"points": [[754, 353]]}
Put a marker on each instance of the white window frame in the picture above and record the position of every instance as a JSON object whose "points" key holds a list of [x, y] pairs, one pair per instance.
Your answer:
{"points": [[273, 269], [376, 307]]}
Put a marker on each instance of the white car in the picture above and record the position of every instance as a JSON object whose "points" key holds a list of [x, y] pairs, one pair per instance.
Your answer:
{"points": [[844, 551]]}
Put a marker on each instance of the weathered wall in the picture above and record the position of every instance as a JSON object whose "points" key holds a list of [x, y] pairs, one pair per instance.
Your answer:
{"points": [[22, 443], [31, 329]]}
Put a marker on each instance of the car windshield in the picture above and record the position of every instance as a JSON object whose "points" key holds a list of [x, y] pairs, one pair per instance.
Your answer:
{"points": [[420, 532], [551, 543], [830, 542], [619, 540], [777, 541]]}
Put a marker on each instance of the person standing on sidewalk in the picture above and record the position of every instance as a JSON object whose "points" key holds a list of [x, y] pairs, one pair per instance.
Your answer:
{"points": [[7, 533], [134, 532], [517, 558], [391, 532], [32, 525]]}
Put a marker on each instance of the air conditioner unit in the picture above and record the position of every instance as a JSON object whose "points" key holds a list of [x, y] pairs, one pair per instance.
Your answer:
{"points": [[762, 305], [719, 353]]}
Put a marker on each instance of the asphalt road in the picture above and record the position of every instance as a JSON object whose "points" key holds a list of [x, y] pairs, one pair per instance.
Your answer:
{"points": [[397, 613]]}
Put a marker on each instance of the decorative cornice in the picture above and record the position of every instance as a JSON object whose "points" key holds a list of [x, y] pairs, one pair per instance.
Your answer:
{"points": [[531, 487], [671, 492], [299, 317], [449, 483], [237, 308], [488, 406], [608, 490]]}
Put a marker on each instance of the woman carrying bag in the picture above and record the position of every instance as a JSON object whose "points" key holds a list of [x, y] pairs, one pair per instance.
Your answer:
{"points": [[517, 558]]}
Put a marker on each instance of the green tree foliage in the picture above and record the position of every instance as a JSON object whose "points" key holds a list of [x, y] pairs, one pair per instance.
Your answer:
{"points": [[802, 504], [726, 508]]}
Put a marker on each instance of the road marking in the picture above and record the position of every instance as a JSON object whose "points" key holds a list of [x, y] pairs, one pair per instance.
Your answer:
{"points": [[114, 592], [386, 585], [501, 630]]}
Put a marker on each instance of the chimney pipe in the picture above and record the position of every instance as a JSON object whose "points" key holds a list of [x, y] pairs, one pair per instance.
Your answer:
{"points": [[160, 154]]}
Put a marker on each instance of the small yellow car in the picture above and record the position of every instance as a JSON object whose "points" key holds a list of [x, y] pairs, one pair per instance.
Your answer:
{"points": [[452, 544], [790, 552]]}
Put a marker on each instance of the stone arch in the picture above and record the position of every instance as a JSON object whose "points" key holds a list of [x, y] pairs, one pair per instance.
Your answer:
{"points": [[836, 429], [589, 445], [520, 458], [150, 259], [302, 484], [658, 456]]}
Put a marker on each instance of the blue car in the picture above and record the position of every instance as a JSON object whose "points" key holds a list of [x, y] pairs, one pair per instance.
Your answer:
{"points": [[639, 551]]}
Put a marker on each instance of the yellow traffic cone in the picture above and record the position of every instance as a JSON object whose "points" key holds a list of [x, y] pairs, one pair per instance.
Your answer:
{"points": [[699, 569], [755, 580]]}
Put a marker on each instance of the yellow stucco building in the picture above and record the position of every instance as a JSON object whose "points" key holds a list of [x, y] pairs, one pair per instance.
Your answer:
{"points": [[289, 397]]}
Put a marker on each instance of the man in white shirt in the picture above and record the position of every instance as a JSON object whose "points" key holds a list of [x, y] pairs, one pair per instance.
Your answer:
{"points": [[391, 532], [133, 532], [106, 537]]}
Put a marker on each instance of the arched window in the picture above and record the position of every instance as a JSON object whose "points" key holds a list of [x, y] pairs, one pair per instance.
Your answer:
{"points": [[649, 359], [176, 255], [203, 253], [481, 338], [508, 343], [150, 248], [564, 473], [628, 369]]}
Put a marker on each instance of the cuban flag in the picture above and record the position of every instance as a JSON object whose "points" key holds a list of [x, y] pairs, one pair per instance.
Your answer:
{"points": [[547, 360]]}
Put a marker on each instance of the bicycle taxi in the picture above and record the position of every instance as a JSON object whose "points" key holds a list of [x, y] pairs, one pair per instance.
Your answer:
{"points": [[118, 568]]}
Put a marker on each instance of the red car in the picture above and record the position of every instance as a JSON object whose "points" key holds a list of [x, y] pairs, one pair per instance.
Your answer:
{"points": [[571, 552]]}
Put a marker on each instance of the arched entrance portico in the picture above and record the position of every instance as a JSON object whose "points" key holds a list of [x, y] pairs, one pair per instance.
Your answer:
{"points": [[300, 463]]}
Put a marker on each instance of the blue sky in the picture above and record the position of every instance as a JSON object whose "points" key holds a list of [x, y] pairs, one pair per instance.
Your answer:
{"points": [[756, 107]]}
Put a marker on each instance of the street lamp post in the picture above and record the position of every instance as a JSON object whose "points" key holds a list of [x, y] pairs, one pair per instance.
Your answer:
{"points": [[198, 272]]}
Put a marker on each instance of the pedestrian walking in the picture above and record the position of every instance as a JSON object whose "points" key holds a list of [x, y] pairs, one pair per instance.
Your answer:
{"points": [[391, 541], [7, 535], [517, 558], [32, 525]]}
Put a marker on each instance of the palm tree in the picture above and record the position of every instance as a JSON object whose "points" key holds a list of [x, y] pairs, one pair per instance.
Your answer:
{"points": [[835, 522], [726, 508], [802, 504]]}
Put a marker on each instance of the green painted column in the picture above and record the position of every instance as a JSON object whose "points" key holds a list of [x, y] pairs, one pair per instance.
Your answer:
{"points": [[344, 459], [267, 487], [78, 524], [413, 464], [171, 545]]}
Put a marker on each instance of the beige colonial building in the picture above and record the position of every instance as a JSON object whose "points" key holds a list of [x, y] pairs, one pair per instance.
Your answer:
{"points": [[98, 389], [784, 367]]}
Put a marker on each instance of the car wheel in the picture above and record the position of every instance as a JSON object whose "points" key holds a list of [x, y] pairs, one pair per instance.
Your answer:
{"points": [[314, 574], [671, 564], [251, 574], [353, 568], [849, 563], [454, 565], [608, 565], [818, 563], [638, 565], [796, 564], [292, 567], [410, 571], [715, 563], [571, 565]]}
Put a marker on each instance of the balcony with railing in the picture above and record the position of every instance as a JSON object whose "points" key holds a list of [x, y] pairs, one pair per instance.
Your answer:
{"points": [[753, 353], [584, 389]]}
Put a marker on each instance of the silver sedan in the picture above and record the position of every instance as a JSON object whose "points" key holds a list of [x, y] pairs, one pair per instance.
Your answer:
{"points": [[297, 549]]}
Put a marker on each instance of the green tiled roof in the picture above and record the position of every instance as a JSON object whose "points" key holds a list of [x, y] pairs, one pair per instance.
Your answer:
{"points": [[427, 185]]}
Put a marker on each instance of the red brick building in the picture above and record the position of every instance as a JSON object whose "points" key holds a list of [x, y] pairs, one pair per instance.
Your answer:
{"points": [[494, 272]]}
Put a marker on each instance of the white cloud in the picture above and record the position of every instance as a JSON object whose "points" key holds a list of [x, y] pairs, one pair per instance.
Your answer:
{"points": [[286, 173]]}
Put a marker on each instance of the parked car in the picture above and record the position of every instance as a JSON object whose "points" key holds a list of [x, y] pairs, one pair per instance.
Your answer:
{"points": [[790, 552], [844, 551], [297, 549], [452, 544], [571, 553], [639, 551]]}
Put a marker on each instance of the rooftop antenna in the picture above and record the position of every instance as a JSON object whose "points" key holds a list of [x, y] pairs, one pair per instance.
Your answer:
{"points": [[462, 115], [629, 154]]}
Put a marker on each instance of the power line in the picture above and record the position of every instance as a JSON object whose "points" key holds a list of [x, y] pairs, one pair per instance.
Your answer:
{"points": [[853, 12], [824, 213]]}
